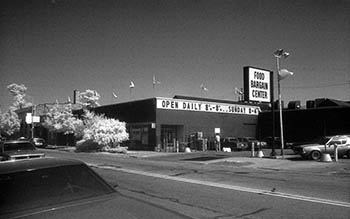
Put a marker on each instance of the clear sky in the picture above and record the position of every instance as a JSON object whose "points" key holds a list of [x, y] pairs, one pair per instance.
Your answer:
{"points": [[56, 46]]}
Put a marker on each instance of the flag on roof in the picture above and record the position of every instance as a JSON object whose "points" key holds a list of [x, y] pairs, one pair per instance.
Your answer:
{"points": [[155, 81], [203, 87], [114, 95]]}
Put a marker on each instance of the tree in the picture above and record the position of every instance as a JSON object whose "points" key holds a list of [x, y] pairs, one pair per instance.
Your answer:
{"points": [[89, 98], [18, 92], [105, 131], [60, 119], [9, 123]]}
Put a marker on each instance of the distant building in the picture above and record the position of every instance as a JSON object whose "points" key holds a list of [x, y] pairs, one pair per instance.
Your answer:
{"points": [[321, 117]]}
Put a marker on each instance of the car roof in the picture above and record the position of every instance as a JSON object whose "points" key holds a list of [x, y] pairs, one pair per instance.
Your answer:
{"points": [[336, 137], [33, 164]]}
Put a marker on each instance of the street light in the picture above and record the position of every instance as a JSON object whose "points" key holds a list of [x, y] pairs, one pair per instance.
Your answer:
{"points": [[282, 74]]}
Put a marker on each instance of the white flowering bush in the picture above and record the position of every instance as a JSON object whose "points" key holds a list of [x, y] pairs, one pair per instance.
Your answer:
{"points": [[106, 132]]}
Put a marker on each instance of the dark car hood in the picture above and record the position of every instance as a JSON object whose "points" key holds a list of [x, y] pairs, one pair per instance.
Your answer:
{"points": [[110, 206]]}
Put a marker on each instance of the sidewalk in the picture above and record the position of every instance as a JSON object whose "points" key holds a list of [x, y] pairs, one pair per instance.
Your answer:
{"points": [[290, 161]]}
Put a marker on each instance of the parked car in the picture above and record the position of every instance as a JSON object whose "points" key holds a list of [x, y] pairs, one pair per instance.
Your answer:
{"points": [[39, 142], [251, 140], [15, 150], [233, 143], [65, 188], [325, 145], [278, 143]]}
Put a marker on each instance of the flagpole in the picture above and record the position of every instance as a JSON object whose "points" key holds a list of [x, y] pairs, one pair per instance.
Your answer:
{"points": [[203, 88], [154, 89], [131, 86], [130, 93], [154, 83]]}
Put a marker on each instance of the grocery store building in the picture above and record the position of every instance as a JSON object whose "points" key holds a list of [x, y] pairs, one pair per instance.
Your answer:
{"points": [[170, 124]]}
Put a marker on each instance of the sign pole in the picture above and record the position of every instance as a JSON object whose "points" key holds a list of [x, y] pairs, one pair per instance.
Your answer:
{"points": [[273, 152], [33, 111]]}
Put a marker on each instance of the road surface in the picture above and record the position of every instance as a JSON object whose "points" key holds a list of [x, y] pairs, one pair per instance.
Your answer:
{"points": [[226, 191]]}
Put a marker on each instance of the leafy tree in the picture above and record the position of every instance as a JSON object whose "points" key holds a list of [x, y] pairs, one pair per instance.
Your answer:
{"points": [[106, 132], [60, 119], [18, 92], [9, 123], [89, 98]]}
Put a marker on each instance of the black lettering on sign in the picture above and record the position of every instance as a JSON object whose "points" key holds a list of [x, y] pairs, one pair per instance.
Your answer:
{"points": [[259, 84], [259, 94], [259, 75]]}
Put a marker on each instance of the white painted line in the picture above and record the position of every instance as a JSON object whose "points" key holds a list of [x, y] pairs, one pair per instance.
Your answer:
{"points": [[231, 187]]}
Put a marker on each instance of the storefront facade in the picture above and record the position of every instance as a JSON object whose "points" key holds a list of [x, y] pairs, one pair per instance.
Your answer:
{"points": [[170, 124]]}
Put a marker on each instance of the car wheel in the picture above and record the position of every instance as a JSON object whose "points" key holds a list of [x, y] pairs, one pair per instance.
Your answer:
{"points": [[348, 153], [315, 155]]}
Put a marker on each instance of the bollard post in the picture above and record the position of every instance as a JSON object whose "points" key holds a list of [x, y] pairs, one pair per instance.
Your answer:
{"points": [[252, 150], [336, 152]]}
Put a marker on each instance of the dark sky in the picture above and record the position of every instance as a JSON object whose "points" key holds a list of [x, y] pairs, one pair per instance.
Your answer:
{"points": [[56, 46]]}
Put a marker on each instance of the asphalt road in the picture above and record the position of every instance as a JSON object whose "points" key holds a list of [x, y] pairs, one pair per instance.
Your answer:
{"points": [[229, 187], [205, 201]]}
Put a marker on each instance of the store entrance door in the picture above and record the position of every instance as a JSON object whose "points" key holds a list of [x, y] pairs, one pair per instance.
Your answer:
{"points": [[169, 137]]}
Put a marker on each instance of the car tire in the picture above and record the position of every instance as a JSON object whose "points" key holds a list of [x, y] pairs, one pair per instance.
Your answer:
{"points": [[348, 153], [315, 155]]}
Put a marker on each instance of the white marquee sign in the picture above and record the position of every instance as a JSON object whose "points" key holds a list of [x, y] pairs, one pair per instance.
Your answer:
{"points": [[203, 106]]}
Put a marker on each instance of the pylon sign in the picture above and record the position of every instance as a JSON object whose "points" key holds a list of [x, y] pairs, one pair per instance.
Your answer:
{"points": [[29, 118], [32, 119], [257, 84]]}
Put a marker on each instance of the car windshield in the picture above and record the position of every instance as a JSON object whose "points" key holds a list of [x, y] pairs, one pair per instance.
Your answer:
{"points": [[50, 186], [323, 140], [20, 146]]}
